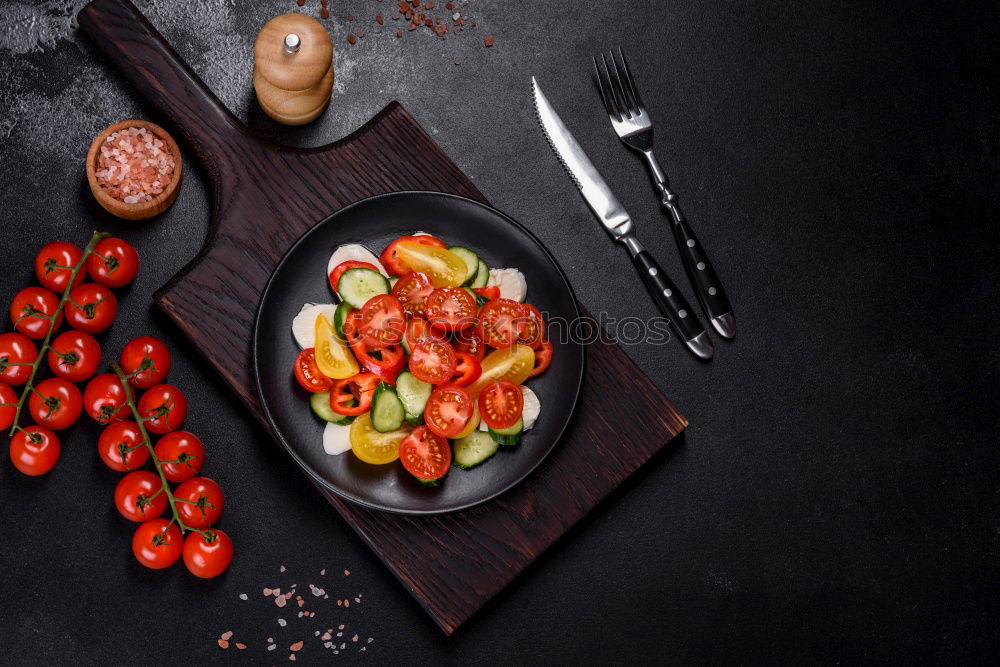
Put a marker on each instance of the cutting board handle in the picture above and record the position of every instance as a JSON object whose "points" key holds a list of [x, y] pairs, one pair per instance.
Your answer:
{"points": [[141, 53]]}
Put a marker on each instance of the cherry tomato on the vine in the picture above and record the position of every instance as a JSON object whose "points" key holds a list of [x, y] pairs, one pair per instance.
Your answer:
{"points": [[207, 558], [157, 543], [104, 399], [16, 348], [55, 403], [139, 497], [120, 446], [199, 502], [74, 355], [91, 308], [113, 263], [8, 406], [31, 309], [34, 450], [164, 408], [181, 455], [146, 360], [54, 264]]}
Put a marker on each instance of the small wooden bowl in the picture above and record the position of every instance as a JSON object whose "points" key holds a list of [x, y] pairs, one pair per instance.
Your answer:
{"points": [[142, 210]]}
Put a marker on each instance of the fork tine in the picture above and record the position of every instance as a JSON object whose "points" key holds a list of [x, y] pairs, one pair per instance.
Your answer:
{"points": [[616, 96], [616, 85], [633, 89], [604, 84]]}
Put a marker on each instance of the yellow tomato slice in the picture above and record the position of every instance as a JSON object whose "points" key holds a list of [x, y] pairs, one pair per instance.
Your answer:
{"points": [[513, 363], [473, 422], [373, 447], [445, 268], [334, 359]]}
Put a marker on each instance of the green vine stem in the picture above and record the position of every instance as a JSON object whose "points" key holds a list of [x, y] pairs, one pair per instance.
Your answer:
{"points": [[53, 318], [157, 463]]}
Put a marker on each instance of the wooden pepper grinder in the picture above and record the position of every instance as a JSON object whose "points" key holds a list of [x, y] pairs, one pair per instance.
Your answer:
{"points": [[293, 68]]}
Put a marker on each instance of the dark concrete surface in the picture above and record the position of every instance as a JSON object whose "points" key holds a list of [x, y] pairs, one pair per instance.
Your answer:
{"points": [[835, 498]]}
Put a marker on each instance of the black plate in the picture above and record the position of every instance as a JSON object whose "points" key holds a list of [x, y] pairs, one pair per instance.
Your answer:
{"points": [[300, 277]]}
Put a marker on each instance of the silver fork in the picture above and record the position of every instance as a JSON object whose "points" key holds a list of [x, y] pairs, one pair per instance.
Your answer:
{"points": [[634, 127]]}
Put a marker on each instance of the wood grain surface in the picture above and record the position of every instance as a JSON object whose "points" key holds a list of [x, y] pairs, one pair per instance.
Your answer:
{"points": [[264, 197]]}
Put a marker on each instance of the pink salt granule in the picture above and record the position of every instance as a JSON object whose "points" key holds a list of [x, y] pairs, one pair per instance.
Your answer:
{"points": [[134, 165]]}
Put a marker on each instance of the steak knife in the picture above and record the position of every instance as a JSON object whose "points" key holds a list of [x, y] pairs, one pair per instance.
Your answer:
{"points": [[618, 224]]}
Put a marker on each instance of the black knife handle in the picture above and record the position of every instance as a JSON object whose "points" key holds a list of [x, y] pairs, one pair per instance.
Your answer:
{"points": [[672, 304]]}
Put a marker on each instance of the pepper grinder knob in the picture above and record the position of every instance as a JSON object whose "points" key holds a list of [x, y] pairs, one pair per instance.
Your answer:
{"points": [[293, 68], [292, 43]]}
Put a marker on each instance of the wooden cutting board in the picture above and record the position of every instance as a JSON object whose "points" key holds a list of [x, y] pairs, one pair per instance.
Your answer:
{"points": [[264, 197]]}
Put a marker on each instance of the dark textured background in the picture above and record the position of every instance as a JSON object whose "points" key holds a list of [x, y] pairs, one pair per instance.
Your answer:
{"points": [[835, 497]]}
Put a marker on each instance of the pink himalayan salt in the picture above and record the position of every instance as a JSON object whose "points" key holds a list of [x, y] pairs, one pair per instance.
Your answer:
{"points": [[133, 165]]}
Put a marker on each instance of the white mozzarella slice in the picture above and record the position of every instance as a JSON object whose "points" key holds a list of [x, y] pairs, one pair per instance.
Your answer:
{"points": [[532, 406], [511, 283], [336, 438], [421, 234], [352, 252], [304, 324]]}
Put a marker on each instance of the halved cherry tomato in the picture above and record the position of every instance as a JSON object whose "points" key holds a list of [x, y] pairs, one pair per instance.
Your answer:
{"points": [[473, 422], [491, 292], [500, 404], [333, 358], [500, 320], [382, 321], [34, 450], [157, 543], [467, 369], [139, 496], [121, 448], [15, 349], [373, 447], [513, 363], [104, 399], [199, 502], [163, 408], [353, 396], [91, 308], [471, 340], [8, 405], [425, 455], [532, 327], [418, 329], [451, 309], [543, 357], [30, 311], [344, 266], [208, 555], [442, 266], [448, 410], [114, 263], [308, 373], [412, 291], [55, 262], [74, 355], [432, 361], [390, 260], [55, 403]]}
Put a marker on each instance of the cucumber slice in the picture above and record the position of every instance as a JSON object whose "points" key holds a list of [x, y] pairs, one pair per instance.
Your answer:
{"points": [[339, 316], [471, 260], [482, 275], [356, 286], [387, 409], [413, 394], [320, 404], [473, 449], [508, 436]]}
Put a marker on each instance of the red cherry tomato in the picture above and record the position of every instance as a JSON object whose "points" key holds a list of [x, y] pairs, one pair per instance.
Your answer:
{"points": [[138, 496], [157, 543], [412, 291], [532, 327], [488, 293], [114, 263], [181, 455], [432, 361], [425, 455], [385, 362], [543, 357], [120, 447], [34, 450], [391, 262], [74, 355], [451, 309], [353, 396], [199, 502], [467, 369], [500, 321], [54, 264], [16, 349], [308, 374], [91, 308], [418, 329], [8, 406], [382, 321], [55, 403], [500, 404], [30, 310], [163, 408], [344, 266], [146, 360], [471, 340], [448, 410], [104, 399], [208, 557]]}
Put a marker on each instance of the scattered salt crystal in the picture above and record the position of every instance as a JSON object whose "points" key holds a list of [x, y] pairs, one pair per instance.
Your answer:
{"points": [[316, 634], [281, 569], [340, 634], [346, 572], [243, 596], [271, 647], [240, 646], [347, 603], [291, 657], [269, 640], [223, 643], [326, 635], [344, 645], [371, 639], [357, 599], [300, 614], [280, 601], [297, 645], [227, 635], [322, 572], [282, 622], [327, 644], [354, 638], [340, 627]]}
